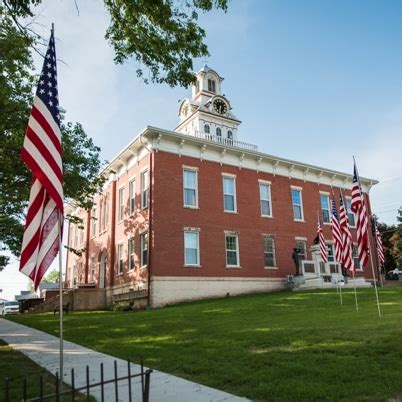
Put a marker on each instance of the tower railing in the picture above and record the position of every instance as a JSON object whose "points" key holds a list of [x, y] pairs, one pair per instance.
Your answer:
{"points": [[225, 141]]}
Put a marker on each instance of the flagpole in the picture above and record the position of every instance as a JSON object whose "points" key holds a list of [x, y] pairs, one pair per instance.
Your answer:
{"points": [[369, 242], [374, 278], [354, 285], [61, 307]]}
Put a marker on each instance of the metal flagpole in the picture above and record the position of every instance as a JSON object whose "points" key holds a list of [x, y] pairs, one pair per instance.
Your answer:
{"points": [[61, 307], [374, 278], [354, 285], [369, 243]]}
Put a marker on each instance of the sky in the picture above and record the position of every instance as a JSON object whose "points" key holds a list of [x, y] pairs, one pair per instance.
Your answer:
{"points": [[316, 81]]}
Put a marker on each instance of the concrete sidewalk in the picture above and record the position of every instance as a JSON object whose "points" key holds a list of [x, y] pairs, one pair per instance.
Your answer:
{"points": [[43, 349]]}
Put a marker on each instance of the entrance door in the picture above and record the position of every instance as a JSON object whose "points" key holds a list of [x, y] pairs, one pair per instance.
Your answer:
{"points": [[102, 270]]}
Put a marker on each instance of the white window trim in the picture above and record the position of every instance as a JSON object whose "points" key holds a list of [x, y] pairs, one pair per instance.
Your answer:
{"points": [[233, 177], [360, 269], [195, 170], [301, 205], [347, 213], [129, 255], [118, 273], [274, 267], [144, 170], [265, 183], [329, 207], [130, 180], [142, 234], [197, 231], [120, 219], [236, 235]]}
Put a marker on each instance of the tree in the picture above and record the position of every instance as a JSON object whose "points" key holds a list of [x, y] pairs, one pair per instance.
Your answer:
{"points": [[81, 158], [389, 241], [51, 277], [399, 234], [162, 35]]}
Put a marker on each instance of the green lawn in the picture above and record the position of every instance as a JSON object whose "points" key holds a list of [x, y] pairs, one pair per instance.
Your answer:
{"points": [[267, 347]]}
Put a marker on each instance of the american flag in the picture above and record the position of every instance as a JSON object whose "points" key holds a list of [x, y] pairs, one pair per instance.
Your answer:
{"points": [[380, 248], [336, 231], [347, 251], [323, 246], [41, 153], [359, 208]]}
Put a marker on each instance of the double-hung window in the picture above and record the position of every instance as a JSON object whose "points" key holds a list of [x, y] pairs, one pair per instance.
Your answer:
{"points": [[297, 204], [131, 195], [144, 189], [190, 187], [93, 219], [131, 253], [265, 199], [324, 199], [191, 248], [229, 194], [356, 261], [120, 215], [269, 252], [232, 250], [120, 248], [351, 215], [144, 249]]}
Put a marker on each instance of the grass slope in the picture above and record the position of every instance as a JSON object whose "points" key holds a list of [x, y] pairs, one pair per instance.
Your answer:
{"points": [[267, 347]]}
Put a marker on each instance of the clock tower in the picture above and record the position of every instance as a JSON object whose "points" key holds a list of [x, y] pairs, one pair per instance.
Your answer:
{"points": [[208, 113]]}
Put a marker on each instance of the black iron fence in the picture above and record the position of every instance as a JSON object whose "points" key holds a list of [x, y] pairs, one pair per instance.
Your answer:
{"points": [[72, 392]]}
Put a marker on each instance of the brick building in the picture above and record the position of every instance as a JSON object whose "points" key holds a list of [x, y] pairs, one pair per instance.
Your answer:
{"points": [[195, 212]]}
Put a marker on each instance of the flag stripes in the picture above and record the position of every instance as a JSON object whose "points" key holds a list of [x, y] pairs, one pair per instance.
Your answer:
{"points": [[41, 153], [347, 250], [359, 208], [380, 248], [323, 246], [336, 232]]}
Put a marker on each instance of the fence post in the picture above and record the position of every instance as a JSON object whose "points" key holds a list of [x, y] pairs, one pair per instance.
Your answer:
{"points": [[102, 389], [41, 388], [88, 394], [57, 386], [24, 391], [72, 385], [129, 380], [116, 386], [147, 384]]}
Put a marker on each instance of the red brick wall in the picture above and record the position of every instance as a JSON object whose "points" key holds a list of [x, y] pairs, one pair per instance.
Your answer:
{"points": [[170, 217]]}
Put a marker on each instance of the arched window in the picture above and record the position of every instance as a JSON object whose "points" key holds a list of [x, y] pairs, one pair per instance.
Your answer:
{"points": [[230, 135], [211, 85], [218, 132], [206, 129]]}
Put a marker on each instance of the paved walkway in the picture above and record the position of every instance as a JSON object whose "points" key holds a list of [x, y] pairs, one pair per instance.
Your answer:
{"points": [[43, 349]]}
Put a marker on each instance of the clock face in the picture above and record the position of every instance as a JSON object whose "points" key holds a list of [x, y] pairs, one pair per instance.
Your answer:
{"points": [[220, 106]]}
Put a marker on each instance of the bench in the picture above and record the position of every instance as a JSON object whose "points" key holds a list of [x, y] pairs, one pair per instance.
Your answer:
{"points": [[65, 308]]}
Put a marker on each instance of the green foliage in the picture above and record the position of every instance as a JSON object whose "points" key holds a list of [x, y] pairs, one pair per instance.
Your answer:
{"points": [[161, 35], [399, 234], [288, 346], [51, 277], [389, 241], [81, 158]]}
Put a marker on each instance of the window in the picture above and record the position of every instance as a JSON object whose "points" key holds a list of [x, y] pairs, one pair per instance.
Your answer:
{"points": [[356, 261], [75, 236], [229, 194], [92, 270], [297, 204], [206, 129], [144, 189], [131, 190], [120, 248], [100, 215], [269, 252], [82, 231], [121, 204], [351, 215], [301, 244], [232, 250], [93, 217], [191, 248], [131, 253], [330, 252], [324, 198], [106, 214], [265, 199], [211, 85], [230, 135], [190, 184], [144, 249], [219, 133]]}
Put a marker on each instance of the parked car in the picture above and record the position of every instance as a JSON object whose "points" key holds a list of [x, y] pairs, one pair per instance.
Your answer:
{"points": [[9, 307], [393, 275]]}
